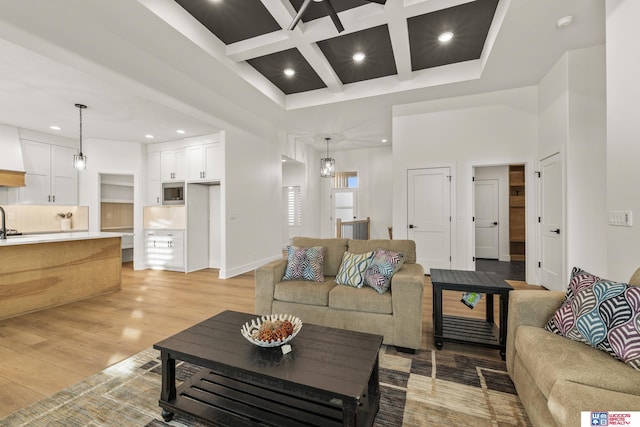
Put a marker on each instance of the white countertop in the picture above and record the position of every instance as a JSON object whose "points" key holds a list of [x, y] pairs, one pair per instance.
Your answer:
{"points": [[56, 237]]}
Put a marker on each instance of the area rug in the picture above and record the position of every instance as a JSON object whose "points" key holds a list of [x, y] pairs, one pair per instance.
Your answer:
{"points": [[429, 388]]}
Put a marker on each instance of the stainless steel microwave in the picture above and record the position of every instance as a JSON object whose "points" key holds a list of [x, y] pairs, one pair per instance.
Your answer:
{"points": [[173, 193]]}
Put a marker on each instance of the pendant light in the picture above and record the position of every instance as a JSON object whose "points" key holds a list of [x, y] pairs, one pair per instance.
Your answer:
{"points": [[327, 165], [80, 160]]}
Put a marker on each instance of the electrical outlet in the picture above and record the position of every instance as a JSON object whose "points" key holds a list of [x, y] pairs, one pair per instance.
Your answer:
{"points": [[621, 218]]}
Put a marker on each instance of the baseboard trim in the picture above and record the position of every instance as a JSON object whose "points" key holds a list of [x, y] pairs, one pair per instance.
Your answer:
{"points": [[226, 273]]}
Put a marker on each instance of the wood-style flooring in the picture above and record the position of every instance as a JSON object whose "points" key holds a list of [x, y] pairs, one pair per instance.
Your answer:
{"points": [[46, 351]]}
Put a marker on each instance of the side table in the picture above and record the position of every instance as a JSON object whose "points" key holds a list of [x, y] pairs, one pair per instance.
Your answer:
{"points": [[467, 330]]}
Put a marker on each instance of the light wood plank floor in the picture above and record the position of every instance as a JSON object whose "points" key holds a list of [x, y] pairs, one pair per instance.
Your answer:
{"points": [[47, 351]]}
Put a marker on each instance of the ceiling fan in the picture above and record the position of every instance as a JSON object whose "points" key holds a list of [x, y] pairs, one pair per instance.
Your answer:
{"points": [[330, 10]]}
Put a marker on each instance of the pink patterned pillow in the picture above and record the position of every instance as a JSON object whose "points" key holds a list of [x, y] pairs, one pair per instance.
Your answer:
{"points": [[604, 315], [384, 265], [305, 264]]}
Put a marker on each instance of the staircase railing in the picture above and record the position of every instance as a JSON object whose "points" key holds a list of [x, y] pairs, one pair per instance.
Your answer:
{"points": [[359, 229]]}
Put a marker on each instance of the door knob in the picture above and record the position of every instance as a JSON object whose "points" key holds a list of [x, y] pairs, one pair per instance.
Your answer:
{"points": [[495, 223], [557, 231], [413, 226]]}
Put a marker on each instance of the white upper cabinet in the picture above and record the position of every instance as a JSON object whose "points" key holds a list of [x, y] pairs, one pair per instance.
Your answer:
{"points": [[154, 183], [173, 165], [50, 177], [204, 162]]}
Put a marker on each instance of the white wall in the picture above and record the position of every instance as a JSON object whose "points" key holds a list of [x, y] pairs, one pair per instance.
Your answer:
{"points": [[573, 122], [462, 133], [252, 196], [623, 134], [114, 157], [375, 172], [500, 173]]}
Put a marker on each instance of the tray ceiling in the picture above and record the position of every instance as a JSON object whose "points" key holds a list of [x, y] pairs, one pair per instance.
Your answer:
{"points": [[399, 40]]}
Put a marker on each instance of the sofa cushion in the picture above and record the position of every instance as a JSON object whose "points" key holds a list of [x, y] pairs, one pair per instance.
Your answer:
{"points": [[407, 247], [604, 315], [303, 292], [550, 358], [384, 264], [334, 248], [364, 299], [351, 272], [304, 264]]}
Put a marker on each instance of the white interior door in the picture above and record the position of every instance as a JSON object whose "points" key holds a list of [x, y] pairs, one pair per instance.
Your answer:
{"points": [[551, 214], [343, 206], [486, 215], [429, 216]]}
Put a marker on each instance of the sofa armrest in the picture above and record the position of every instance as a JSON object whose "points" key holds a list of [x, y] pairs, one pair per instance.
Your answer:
{"points": [[530, 308], [266, 278], [407, 289]]}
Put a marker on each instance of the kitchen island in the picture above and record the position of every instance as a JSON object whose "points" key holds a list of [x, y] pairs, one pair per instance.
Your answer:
{"points": [[46, 270]]}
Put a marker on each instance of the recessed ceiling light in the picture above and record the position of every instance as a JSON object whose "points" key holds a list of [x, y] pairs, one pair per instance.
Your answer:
{"points": [[284, 160], [54, 127], [565, 22], [445, 37], [289, 72], [180, 131], [359, 56], [384, 141], [148, 136]]}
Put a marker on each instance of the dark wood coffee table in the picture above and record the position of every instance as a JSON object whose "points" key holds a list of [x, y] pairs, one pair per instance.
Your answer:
{"points": [[467, 330], [330, 378]]}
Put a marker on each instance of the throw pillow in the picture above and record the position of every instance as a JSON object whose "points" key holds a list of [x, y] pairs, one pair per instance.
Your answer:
{"points": [[578, 281], [352, 268], [305, 264], [604, 315], [383, 266]]}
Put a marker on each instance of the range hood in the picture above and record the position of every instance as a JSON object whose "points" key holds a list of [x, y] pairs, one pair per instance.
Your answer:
{"points": [[11, 163]]}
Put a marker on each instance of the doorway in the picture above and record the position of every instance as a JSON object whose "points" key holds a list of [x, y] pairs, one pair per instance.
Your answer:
{"points": [[116, 209], [499, 232]]}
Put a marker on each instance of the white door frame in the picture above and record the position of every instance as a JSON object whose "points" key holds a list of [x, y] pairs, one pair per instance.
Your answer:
{"points": [[531, 203]]}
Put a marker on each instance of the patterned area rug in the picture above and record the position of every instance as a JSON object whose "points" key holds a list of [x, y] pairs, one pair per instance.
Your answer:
{"points": [[430, 388]]}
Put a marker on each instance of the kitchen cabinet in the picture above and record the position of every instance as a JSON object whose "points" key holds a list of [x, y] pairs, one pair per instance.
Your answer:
{"points": [[173, 165], [164, 249], [154, 179], [204, 162], [50, 177]]}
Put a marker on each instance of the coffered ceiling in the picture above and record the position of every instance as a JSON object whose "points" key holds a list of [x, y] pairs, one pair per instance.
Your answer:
{"points": [[399, 40], [154, 66]]}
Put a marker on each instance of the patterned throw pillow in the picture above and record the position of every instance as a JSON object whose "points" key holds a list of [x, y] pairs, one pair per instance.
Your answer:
{"points": [[351, 271], [384, 265], [305, 264], [604, 315], [578, 281]]}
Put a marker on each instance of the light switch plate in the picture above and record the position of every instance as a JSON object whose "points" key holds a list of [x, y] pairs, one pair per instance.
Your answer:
{"points": [[621, 218]]}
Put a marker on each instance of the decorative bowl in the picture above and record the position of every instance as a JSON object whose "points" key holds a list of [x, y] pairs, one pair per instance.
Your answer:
{"points": [[250, 329]]}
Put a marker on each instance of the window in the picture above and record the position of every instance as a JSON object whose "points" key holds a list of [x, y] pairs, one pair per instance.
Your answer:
{"points": [[345, 180], [294, 206]]}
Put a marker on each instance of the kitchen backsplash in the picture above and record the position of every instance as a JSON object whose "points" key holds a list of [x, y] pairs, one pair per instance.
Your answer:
{"points": [[44, 218], [164, 217]]}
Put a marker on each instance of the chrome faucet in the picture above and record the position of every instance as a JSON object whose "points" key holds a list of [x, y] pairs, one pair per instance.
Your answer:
{"points": [[3, 230]]}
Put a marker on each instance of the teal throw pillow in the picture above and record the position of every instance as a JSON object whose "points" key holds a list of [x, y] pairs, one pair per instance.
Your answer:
{"points": [[383, 266], [353, 267]]}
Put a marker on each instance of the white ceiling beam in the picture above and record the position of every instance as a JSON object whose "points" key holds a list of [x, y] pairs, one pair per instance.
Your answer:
{"points": [[399, 33], [317, 60]]}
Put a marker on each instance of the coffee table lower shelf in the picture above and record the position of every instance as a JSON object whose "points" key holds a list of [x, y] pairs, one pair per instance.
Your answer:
{"points": [[226, 401], [470, 331]]}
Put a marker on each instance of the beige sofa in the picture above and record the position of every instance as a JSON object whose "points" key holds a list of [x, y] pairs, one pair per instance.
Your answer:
{"points": [[396, 315], [557, 378]]}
